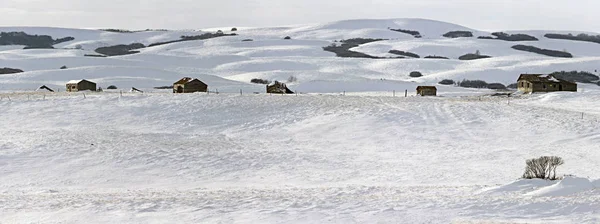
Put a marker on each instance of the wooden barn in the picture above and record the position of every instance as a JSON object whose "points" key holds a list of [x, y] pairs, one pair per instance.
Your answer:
{"points": [[532, 83], [80, 85], [426, 91], [189, 85], [278, 87]]}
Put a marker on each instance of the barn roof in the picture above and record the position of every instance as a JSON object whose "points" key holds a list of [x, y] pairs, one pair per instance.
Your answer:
{"points": [[277, 83], [542, 78], [46, 88], [426, 87], [77, 81], [185, 80], [74, 81]]}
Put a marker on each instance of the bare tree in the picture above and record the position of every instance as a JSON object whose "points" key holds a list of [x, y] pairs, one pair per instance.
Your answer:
{"points": [[542, 168]]}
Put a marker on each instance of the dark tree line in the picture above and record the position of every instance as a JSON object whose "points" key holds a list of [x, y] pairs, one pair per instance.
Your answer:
{"points": [[547, 52], [457, 34], [30, 41], [579, 37], [120, 49]]}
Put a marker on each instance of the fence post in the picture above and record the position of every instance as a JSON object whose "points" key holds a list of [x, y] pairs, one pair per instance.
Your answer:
{"points": [[241, 94], [84, 95], [121, 92], [217, 90], [406, 93], [344, 93], [394, 93]]}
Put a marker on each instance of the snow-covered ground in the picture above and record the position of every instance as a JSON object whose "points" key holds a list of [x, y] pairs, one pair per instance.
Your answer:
{"points": [[197, 158], [345, 150], [228, 63]]}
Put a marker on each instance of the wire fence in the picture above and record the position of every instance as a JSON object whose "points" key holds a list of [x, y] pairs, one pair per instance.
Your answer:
{"points": [[508, 100], [45, 95]]}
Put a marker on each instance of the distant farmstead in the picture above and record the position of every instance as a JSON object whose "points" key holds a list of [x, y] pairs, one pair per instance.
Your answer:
{"points": [[532, 83], [278, 87], [426, 91], [189, 85], [80, 85]]}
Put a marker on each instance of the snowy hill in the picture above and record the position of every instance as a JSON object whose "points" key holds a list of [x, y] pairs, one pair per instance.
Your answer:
{"points": [[354, 149], [270, 57], [197, 158]]}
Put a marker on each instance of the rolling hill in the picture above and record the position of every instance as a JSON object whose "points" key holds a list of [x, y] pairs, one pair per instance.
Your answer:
{"points": [[229, 62]]}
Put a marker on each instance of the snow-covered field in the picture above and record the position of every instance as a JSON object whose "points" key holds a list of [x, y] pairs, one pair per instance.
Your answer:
{"points": [[345, 150], [164, 158]]}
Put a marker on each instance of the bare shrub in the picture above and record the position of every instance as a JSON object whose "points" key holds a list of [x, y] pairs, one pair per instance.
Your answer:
{"points": [[415, 74], [496, 86], [542, 168], [260, 81], [447, 82]]}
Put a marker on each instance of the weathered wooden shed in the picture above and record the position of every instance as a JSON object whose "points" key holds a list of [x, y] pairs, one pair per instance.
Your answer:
{"points": [[532, 83], [278, 87], [80, 85], [189, 85], [426, 91]]}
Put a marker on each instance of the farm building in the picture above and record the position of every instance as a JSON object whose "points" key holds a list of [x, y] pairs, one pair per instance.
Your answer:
{"points": [[532, 83], [44, 87], [426, 91], [278, 87], [80, 85], [189, 85]]}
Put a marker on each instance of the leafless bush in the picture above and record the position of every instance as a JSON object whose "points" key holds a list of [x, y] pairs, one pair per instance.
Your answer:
{"points": [[542, 168], [260, 81]]}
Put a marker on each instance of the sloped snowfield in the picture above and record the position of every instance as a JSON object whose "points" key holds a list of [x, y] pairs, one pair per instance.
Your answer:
{"points": [[229, 63], [365, 157], [164, 158]]}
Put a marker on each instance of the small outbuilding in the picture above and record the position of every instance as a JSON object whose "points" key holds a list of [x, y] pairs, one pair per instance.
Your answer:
{"points": [[44, 87], [278, 87], [135, 90], [80, 85], [189, 85], [532, 83], [426, 91]]}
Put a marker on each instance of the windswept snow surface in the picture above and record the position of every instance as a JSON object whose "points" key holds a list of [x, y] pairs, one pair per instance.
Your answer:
{"points": [[197, 158], [345, 152], [269, 56]]}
